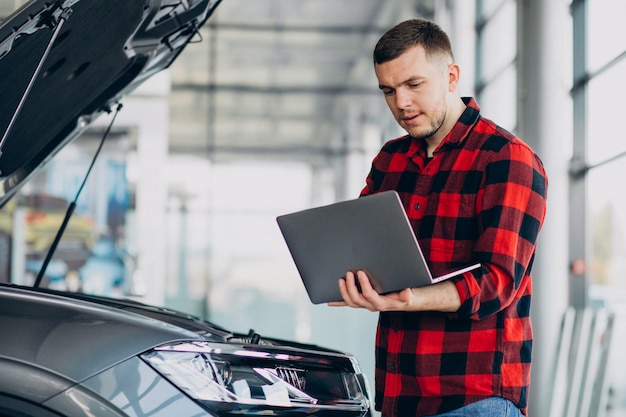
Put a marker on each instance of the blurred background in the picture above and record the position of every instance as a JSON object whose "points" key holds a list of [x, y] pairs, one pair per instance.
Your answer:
{"points": [[275, 108]]}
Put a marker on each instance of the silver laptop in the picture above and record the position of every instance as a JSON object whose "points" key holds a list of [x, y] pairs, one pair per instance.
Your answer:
{"points": [[371, 233]]}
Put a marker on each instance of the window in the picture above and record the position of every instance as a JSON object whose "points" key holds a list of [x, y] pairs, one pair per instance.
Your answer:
{"points": [[496, 72]]}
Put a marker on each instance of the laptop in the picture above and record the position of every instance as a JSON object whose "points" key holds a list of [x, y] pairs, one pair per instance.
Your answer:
{"points": [[370, 233]]}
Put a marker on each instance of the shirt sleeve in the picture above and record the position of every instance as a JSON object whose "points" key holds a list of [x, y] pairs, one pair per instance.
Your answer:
{"points": [[510, 211]]}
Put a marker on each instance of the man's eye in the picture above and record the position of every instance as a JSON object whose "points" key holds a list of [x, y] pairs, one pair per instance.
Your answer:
{"points": [[388, 92]]}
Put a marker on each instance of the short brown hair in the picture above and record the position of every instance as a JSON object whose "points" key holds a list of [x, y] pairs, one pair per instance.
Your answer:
{"points": [[410, 33]]}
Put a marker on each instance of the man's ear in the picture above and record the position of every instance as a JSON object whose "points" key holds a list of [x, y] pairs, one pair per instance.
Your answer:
{"points": [[454, 76]]}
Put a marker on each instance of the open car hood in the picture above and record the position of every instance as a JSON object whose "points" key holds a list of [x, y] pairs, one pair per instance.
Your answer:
{"points": [[87, 55]]}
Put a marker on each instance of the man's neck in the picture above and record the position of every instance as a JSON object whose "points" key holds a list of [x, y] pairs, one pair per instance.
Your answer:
{"points": [[455, 110]]}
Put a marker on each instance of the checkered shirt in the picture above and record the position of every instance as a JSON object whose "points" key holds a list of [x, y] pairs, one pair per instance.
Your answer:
{"points": [[482, 198]]}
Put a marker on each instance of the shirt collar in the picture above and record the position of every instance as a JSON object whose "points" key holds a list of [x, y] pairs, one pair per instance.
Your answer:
{"points": [[464, 125]]}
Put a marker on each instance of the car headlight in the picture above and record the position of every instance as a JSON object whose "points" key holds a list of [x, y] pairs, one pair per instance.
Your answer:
{"points": [[231, 380]]}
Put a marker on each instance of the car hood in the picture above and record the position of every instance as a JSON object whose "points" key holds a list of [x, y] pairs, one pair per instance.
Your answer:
{"points": [[60, 331], [62, 334], [65, 62], [187, 322]]}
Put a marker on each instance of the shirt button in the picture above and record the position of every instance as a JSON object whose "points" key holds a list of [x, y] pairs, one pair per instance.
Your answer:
{"points": [[417, 206]]}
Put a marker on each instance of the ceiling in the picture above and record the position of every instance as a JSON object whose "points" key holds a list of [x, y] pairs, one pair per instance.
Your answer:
{"points": [[275, 79], [282, 78]]}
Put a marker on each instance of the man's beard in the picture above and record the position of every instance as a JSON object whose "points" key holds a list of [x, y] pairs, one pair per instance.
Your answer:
{"points": [[434, 127]]}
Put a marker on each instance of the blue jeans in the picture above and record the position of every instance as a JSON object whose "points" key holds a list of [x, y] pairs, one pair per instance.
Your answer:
{"points": [[490, 407]]}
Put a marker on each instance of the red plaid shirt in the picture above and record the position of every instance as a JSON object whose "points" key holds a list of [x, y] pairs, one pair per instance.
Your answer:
{"points": [[482, 198]]}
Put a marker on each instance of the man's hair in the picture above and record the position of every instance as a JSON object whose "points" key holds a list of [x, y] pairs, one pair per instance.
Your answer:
{"points": [[408, 34]]}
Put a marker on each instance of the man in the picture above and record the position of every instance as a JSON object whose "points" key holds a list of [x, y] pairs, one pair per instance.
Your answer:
{"points": [[473, 192]]}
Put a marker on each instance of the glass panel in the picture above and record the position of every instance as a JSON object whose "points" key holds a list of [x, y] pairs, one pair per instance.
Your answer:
{"points": [[487, 7], [498, 100], [498, 42], [606, 32], [604, 140], [606, 35], [607, 240], [607, 267]]}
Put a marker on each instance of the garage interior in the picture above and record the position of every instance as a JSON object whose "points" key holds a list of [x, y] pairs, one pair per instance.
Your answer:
{"points": [[275, 108]]}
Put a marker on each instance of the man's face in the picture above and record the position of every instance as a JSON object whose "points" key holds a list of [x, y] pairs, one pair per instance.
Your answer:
{"points": [[415, 88]]}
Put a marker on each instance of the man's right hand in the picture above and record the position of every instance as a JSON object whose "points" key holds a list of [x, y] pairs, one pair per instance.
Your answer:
{"points": [[357, 292]]}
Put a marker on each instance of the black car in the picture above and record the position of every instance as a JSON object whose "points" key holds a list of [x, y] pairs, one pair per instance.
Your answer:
{"points": [[62, 64], [77, 355]]}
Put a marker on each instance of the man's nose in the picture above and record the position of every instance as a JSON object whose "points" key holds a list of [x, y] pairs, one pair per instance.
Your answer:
{"points": [[402, 99]]}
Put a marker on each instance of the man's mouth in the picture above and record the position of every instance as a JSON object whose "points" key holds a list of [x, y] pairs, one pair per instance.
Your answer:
{"points": [[410, 119]]}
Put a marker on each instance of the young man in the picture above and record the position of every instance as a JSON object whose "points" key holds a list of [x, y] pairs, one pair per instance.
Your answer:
{"points": [[473, 193]]}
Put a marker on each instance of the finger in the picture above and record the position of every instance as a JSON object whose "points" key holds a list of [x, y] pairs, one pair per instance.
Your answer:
{"points": [[353, 293], [360, 281], [369, 297], [349, 291], [344, 292], [365, 284]]}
